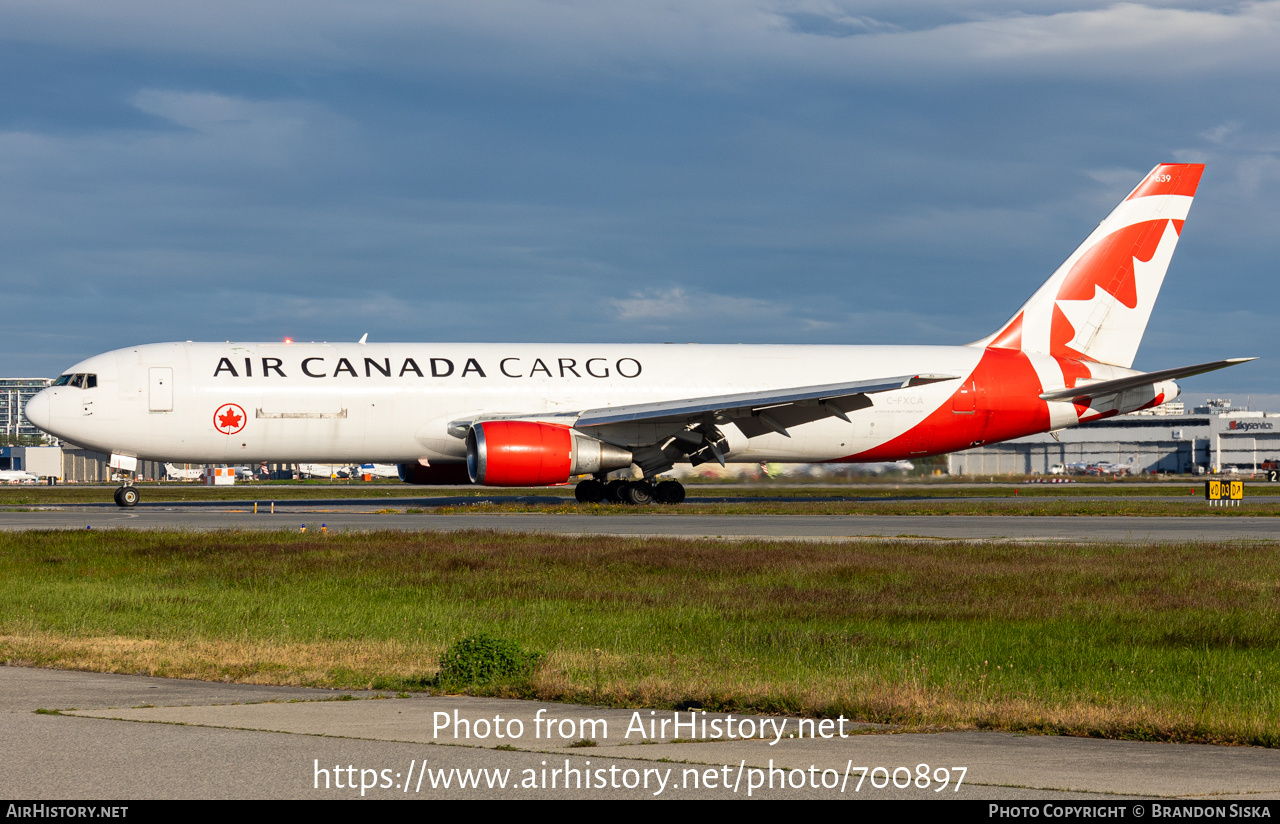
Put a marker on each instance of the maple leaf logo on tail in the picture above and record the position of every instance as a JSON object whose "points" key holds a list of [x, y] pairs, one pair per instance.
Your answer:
{"points": [[1099, 310], [1096, 306]]}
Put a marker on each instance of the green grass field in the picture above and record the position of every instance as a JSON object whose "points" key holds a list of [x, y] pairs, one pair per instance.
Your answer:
{"points": [[1167, 642]]}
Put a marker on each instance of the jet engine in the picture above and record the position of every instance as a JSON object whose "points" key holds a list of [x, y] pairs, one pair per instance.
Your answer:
{"points": [[527, 453]]}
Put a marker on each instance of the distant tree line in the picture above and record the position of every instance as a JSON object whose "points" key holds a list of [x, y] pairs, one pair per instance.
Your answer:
{"points": [[23, 440]]}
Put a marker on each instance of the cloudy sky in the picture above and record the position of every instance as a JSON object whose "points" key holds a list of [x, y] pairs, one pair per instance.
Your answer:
{"points": [[814, 171]]}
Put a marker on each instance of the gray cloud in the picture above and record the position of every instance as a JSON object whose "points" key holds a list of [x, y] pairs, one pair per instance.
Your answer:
{"points": [[648, 39], [809, 171]]}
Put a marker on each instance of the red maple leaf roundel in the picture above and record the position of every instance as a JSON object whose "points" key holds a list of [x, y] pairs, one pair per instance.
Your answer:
{"points": [[229, 419]]}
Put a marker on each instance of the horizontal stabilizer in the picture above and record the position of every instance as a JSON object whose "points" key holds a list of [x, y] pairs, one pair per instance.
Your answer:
{"points": [[681, 410], [1111, 387]]}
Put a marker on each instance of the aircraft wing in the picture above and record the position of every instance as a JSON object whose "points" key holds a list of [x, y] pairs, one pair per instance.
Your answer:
{"points": [[1111, 387], [824, 400]]}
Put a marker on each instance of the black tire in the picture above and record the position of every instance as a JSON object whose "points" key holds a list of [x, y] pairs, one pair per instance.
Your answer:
{"points": [[589, 492], [638, 493], [669, 492], [613, 491], [127, 496], [116, 495]]}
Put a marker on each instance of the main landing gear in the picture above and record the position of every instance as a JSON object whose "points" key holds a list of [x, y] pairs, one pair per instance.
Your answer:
{"points": [[636, 493], [127, 495]]}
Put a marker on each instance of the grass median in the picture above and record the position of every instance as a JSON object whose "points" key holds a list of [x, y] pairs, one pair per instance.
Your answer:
{"points": [[1163, 499], [1166, 642], [40, 495]]}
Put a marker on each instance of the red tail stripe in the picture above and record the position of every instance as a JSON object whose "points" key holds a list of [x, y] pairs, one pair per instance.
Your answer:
{"points": [[1011, 337], [1170, 179]]}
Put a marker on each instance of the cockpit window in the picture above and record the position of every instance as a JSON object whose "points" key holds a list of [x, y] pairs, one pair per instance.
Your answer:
{"points": [[82, 380]]}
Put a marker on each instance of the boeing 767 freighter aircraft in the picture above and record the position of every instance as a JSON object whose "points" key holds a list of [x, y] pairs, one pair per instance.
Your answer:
{"points": [[535, 414]]}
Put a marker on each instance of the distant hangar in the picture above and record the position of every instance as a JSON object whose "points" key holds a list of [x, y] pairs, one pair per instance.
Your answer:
{"points": [[1215, 437]]}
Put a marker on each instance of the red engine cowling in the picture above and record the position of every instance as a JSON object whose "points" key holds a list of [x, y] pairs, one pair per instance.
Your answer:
{"points": [[528, 453], [519, 453]]}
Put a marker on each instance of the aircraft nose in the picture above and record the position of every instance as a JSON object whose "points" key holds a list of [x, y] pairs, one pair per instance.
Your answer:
{"points": [[37, 409]]}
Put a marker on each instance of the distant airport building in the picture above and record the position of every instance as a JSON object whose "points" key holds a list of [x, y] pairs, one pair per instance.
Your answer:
{"points": [[41, 461], [1215, 437], [74, 464], [69, 464], [14, 394], [81, 465]]}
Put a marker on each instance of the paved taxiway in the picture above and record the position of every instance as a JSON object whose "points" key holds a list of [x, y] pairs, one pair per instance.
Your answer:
{"points": [[139, 737], [363, 514]]}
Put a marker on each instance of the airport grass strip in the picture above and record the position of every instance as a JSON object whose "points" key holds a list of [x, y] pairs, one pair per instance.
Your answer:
{"points": [[978, 500], [1176, 642], [38, 495]]}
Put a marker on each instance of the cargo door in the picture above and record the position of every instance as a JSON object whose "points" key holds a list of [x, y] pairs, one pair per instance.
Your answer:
{"points": [[161, 392], [922, 439]]}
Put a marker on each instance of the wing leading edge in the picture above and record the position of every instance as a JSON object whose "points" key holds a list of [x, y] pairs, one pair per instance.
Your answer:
{"points": [[769, 405]]}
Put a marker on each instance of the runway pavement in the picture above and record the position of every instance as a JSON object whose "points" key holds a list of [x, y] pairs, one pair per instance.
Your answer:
{"points": [[352, 514], [132, 737]]}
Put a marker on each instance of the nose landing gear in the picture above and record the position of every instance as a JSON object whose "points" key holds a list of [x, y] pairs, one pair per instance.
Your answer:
{"points": [[123, 468]]}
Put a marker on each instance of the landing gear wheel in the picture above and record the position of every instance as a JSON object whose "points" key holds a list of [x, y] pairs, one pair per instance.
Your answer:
{"points": [[613, 491], [638, 493], [669, 492], [126, 496], [589, 492]]}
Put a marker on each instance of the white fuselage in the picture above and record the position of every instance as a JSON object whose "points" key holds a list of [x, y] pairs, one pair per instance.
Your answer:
{"points": [[408, 403], [393, 403]]}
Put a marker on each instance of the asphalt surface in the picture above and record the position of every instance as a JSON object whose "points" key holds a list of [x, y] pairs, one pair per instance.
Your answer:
{"points": [[363, 514], [132, 737]]}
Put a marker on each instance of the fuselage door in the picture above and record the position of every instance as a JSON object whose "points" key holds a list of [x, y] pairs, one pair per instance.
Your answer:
{"points": [[965, 400], [970, 415], [161, 394]]}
